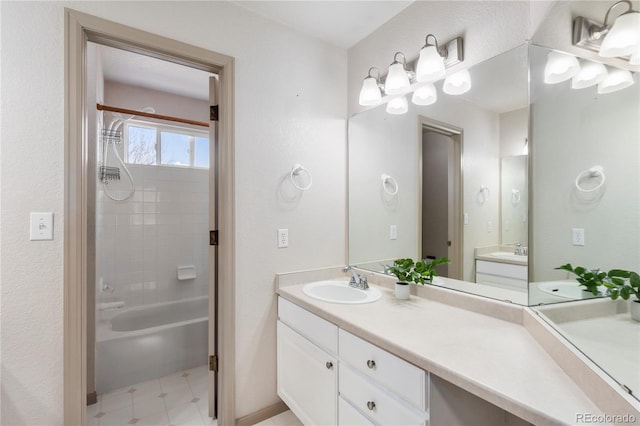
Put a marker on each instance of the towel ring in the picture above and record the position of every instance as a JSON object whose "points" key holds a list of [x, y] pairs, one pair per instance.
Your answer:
{"points": [[515, 197], [386, 179], [593, 172], [296, 170], [483, 194]]}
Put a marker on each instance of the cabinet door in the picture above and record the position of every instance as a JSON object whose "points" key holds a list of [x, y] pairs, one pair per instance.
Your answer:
{"points": [[307, 378]]}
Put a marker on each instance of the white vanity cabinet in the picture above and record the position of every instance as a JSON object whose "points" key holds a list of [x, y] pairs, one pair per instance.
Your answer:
{"points": [[307, 364], [499, 274], [328, 376]]}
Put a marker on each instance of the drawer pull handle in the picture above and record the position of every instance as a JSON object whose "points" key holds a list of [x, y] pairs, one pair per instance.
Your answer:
{"points": [[371, 363], [371, 405], [329, 365]]}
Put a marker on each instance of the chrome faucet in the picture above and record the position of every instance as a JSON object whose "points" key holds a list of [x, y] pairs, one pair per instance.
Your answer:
{"points": [[356, 280], [518, 250]]}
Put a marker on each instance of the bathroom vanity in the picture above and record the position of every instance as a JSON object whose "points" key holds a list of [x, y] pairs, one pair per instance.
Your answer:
{"points": [[439, 358]]}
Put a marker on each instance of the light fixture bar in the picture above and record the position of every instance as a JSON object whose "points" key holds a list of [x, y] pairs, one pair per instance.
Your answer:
{"points": [[454, 52]]}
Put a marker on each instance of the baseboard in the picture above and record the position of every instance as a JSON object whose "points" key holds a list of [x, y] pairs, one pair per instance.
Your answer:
{"points": [[92, 398], [264, 414]]}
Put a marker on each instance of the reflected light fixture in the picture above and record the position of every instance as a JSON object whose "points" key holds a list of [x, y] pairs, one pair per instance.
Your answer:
{"points": [[398, 105], [457, 83], [590, 73], [430, 63], [560, 67], [618, 39], [370, 92], [425, 95], [397, 81], [617, 79], [635, 56]]}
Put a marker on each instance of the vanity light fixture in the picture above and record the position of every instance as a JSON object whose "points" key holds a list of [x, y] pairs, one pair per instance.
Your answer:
{"points": [[560, 67], [430, 65], [617, 79], [398, 105], [635, 56], [397, 81], [609, 40], [590, 73], [457, 83], [370, 92]]}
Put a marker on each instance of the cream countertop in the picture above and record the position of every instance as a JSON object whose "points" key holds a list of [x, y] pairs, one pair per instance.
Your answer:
{"points": [[495, 359]]}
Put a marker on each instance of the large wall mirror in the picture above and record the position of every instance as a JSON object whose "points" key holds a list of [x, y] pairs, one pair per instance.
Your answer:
{"points": [[448, 179]]}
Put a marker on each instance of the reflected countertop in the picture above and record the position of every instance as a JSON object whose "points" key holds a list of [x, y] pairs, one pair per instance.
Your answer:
{"points": [[501, 254]]}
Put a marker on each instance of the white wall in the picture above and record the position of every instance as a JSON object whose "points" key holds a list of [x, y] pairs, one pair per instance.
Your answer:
{"points": [[290, 107]]}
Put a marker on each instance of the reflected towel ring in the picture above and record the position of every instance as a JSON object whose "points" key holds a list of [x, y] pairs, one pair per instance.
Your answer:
{"points": [[594, 172], [296, 170], [483, 194], [515, 197], [389, 181]]}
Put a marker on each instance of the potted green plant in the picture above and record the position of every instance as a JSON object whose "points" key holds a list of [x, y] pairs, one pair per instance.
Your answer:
{"points": [[618, 282], [407, 271]]}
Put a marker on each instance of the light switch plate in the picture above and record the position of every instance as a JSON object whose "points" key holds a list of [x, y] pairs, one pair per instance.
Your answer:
{"points": [[41, 226], [393, 232]]}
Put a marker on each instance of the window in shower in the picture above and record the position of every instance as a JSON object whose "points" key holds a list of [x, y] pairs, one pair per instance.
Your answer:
{"points": [[151, 144]]}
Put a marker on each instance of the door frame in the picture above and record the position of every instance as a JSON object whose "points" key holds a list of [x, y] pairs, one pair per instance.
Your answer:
{"points": [[457, 136], [79, 29]]}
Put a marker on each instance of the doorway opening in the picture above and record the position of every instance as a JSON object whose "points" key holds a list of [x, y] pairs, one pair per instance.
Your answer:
{"points": [[441, 159], [106, 170], [152, 153]]}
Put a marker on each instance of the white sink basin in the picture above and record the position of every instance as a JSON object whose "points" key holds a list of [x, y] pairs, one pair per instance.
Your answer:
{"points": [[340, 292], [567, 289], [510, 256]]}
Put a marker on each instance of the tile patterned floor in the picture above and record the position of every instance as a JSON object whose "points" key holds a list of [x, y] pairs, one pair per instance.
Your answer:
{"points": [[179, 399]]}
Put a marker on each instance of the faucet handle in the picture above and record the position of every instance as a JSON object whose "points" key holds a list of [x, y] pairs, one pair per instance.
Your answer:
{"points": [[364, 285]]}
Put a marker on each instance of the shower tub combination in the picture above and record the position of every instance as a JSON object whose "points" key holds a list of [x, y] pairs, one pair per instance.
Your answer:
{"points": [[151, 341]]}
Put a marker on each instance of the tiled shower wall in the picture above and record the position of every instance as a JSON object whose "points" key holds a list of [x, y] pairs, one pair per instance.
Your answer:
{"points": [[141, 242]]}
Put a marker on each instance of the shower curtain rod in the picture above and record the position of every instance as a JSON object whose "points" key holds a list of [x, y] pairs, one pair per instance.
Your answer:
{"points": [[149, 115]]}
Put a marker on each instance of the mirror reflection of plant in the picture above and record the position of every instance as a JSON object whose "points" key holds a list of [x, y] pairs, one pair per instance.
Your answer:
{"points": [[619, 282], [408, 271]]}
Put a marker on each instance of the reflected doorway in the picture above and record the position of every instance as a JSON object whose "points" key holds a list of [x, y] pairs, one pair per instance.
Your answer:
{"points": [[441, 153]]}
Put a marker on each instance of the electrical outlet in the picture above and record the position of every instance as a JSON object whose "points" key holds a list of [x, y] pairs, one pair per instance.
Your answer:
{"points": [[466, 218], [577, 236], [393, 232], [283, 238], [489, 227]]}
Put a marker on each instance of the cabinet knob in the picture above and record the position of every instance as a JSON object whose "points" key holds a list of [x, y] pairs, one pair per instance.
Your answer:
{"points": [[371, 405], [329, 365], [371, 363]]}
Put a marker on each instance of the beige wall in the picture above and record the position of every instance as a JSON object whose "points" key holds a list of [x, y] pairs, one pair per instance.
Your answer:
{"points": [[290, 107]]}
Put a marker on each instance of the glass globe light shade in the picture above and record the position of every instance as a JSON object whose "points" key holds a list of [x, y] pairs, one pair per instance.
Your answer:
{"points": [[590, 73], [635, 56], [425, 95], [560, 67], [617, 79], [457, 83], [430, 65], [398, 105], [370, 92], [397, 81], [623, 36]]}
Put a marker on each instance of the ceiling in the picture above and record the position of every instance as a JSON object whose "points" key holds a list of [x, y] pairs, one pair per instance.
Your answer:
{"points": [[340, 23]]}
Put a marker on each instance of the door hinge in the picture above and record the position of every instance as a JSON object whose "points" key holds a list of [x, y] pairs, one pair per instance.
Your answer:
{"points": [[213, 238], [213, 113], [213, 363]]}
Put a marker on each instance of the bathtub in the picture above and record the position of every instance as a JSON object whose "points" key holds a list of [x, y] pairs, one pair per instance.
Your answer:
{"points": [[151, 341]]}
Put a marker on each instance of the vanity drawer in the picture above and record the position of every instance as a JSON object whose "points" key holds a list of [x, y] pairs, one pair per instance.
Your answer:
{"points": [[319, 331], [404, 379], [378, 404], [349, 416]]}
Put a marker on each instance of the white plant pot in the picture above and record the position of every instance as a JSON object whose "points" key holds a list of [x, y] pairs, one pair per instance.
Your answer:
{"points": [[403, 291], [634, 309]]}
